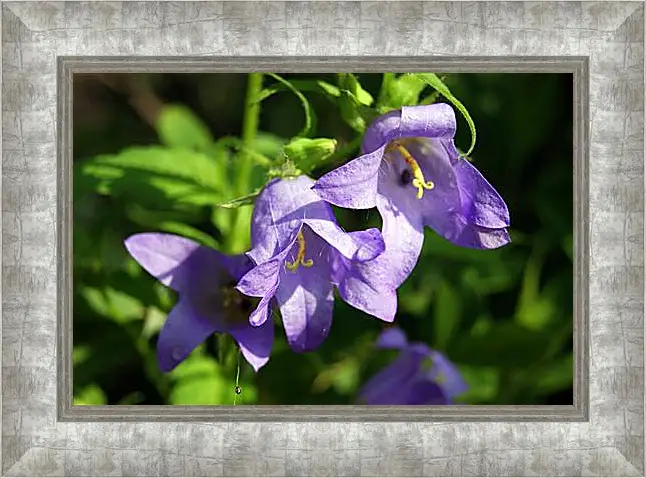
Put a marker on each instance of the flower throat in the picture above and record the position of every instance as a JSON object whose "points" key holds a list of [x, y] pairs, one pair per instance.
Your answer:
{"points": [[300, 257], [419, 181]]}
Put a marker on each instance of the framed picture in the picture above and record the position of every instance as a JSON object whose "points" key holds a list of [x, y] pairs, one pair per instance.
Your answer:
{"points": [[322, 238]]}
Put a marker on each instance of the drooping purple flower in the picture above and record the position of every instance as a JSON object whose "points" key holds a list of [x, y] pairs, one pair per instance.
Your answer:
{"points": [[208, 302], [301, 254], [412, 172], [419, 375]]}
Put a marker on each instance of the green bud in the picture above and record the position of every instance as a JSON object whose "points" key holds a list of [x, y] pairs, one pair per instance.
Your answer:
{"points": [[306, 154]]}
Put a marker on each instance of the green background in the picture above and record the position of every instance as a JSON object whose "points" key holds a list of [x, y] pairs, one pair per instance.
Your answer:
{"points": [[504, 316]]}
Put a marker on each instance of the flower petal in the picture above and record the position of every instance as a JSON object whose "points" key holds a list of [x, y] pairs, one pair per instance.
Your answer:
{"points": [[271, 232], [370, 243], [428, 121], [461, 199], [286, 205], [424, 392], [402, 231], [262, 281], [360, 288], [447, 375], [392, 385], [353, 185], [481, 203], [255, 343], [392, 338], [184, 330], [425, 121], [237, 265], [175, 261], [306, 298]]}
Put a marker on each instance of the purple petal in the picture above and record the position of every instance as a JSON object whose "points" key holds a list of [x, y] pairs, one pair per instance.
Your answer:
{"points": [[237, 265], [447, 375], [262, 281], [175, 261], [461, 199], [271, 231], [476, 237], [370, 244], [184, 330], [353, 185], [426, 121], [282, 208], [392, 338], [255, 343], [481, 203], [402, 230], [392, 386], [306, 298], [424, 392], [362, 291]]}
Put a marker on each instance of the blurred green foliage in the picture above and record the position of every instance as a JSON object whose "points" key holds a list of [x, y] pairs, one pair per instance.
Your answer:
{"points": [[158, 152]]}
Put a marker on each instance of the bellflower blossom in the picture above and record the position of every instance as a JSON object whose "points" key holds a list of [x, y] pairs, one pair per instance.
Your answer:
{"points": [[208, 302], [412, 172], [301, 253], [419, 375]]}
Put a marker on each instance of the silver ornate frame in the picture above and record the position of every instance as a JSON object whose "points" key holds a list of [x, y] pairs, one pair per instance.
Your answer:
{"points": [[45, 43]]}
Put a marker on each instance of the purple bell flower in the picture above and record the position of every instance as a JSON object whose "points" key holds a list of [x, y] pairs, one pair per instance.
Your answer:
{"points": [[413, 174], [419, 375], [301, 254], [208, 301]]}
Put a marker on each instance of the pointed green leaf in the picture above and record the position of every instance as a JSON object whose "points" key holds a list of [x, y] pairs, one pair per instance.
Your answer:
{"points": [[155, 175], [178, 127]]}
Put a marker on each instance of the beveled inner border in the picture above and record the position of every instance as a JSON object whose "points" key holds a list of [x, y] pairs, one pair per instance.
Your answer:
{"points": [[578, 66]]}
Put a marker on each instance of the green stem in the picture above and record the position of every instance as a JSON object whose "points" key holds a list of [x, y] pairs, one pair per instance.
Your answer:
{"points": [[237, 237], [249, 129]]}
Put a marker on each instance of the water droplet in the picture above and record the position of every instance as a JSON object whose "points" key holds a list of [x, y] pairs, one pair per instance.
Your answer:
{"points": [[238, 390]]}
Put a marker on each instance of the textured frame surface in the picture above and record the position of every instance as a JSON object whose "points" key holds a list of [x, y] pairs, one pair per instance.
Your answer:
{"points": [[35, 36]]}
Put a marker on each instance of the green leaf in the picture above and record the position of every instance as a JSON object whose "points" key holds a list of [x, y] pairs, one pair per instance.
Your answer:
{"points": [[350, 84], [353, 102], [306, 154], [310, 118], [199, 381], [157, 175], [446, 316], [159, 221], [91, 395], [483, 384], [436, 83], [178, 127], [113, 304], [534, 311], [401, 91]]}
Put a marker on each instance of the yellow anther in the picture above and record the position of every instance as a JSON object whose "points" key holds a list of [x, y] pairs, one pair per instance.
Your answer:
{"points": [[418, 176], [300, 257]]}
